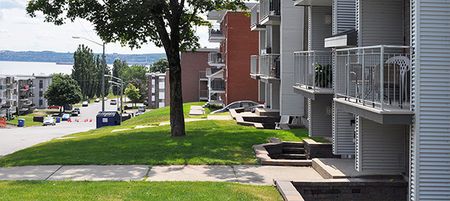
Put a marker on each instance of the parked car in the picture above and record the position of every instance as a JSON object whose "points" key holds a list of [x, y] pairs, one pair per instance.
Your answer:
{"points": [[113, 102], [65, 117], [85, 104], [246, 104], [141, 109], [76, 112], [49, 121], [97, 100], [54, 107]]}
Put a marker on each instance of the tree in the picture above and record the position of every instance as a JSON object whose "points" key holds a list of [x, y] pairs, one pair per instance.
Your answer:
{"points": [[118, 66], [63, 91], [159, 66], [167, 23], [132, 93], [84, 70], [135, 75]]}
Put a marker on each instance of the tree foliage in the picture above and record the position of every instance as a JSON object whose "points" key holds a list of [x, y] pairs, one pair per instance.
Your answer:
{"points": [[159, 66], [63, 90], [118, 66], [167, 23], [132, 93]]}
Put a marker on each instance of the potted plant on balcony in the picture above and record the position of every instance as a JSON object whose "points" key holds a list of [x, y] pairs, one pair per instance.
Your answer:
{"points": [[323, 75]]}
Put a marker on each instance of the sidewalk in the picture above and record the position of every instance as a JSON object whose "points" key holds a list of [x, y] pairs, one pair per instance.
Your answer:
{"points": [[248, 174]]}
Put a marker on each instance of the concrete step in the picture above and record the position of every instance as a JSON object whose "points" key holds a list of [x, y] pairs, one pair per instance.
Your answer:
{"points": [[293, 150], [293, 144], [290, 156]]}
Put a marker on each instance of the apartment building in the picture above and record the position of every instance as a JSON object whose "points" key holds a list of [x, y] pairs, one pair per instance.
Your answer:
{"points": [[157, 89], [42, 82], [384, 71], [8, 96], [280, 26], [230, 66], [25, 88], [194, 74]]}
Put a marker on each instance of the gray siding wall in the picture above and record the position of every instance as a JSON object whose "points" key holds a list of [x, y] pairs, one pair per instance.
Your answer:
{"points": [[430, 148], [381, 148], [380, 22], [319, 26], [292, 39], [344, 13], [320, 116], [343, 132]]}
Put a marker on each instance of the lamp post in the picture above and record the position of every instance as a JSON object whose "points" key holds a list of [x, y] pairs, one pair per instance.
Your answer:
{"points": [[103, 67], [121, 93]]}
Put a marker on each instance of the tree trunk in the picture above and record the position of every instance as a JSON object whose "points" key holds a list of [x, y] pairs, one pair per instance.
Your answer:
{"points": [[176, 98]]}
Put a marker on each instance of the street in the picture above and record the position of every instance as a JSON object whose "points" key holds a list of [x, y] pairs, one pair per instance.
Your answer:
{"points": [[14, 139]]}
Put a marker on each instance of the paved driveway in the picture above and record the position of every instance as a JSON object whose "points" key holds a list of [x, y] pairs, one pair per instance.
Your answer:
{"points": [[15, 139]]}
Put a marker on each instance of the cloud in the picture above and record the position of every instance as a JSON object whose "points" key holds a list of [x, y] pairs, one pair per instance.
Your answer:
{"points": [[11, 4]]}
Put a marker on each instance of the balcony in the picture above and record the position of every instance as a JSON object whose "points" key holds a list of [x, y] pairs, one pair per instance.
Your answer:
{"points": [[214, 73], [313, 2], [254, 66], [215, 35], [313, 73], [374, 82], [269, 66], [203, 94], [254, 19], [217, 85], [215, 59], [269, 12]]}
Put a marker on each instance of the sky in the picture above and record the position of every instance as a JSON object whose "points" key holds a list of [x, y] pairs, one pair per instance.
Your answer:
{"points": [[19, 32]]}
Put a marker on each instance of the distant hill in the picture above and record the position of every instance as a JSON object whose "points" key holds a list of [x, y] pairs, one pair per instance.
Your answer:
{"points": [[67, 58]]}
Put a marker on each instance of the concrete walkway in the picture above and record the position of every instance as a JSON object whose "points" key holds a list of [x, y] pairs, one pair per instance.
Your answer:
{"points": [[248, 174]]}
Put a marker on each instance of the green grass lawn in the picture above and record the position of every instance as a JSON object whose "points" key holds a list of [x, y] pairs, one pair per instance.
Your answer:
{"points": [[162, 114], [28, 120], [74, 191], [207, 142]]}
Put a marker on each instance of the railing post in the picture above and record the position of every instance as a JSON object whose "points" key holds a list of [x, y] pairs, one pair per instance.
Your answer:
{"points": [[382, 77], [313, 70], [347, 69], [363, 76]]}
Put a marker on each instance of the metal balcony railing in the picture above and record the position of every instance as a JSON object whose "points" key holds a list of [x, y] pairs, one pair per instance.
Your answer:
{"points": [[254, 17], [313, 69], [269, 66], [254, 65], [217, 84], [215, 58], [269, 8], [215, 34], [202, 75], [376, 76]]}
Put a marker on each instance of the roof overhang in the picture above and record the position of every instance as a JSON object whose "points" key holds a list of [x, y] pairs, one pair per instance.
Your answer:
{"points": [[345, 39], [313, 2]]}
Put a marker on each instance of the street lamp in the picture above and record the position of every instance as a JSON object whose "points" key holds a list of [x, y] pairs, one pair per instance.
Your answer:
{"points": [[103, 68], [121, 94], [121, 88]]}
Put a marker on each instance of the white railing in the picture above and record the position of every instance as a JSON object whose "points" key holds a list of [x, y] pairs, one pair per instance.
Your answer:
{"points": [[254, 65], [376, 76], [215, 58], [269, 8], [313, 69], [254, 17], [215, 33], [269, 66], [217, 84]]}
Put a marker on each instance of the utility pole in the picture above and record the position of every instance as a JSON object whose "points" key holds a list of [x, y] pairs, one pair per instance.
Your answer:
{"points": [[103, 78]]}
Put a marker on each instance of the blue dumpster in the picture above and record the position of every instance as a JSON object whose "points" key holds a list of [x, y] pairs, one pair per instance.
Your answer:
{"points": [[58, 120], [108, 118], [21, 123]]}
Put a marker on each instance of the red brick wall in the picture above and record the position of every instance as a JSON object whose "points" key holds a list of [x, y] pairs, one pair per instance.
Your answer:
{"points": [[239, 45], [191, 64]]}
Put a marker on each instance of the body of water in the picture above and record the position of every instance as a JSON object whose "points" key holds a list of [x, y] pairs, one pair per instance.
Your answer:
{"points": [[30, 68]]}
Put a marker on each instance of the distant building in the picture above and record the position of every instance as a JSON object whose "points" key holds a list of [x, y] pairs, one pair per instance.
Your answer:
{"points": [[25, 94], [8, 96], [156, 83], [41, 84]]}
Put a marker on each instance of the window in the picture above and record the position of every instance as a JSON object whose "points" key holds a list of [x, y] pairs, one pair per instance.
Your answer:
{"points": [[41, 102], [41, 84], [40, 93]]}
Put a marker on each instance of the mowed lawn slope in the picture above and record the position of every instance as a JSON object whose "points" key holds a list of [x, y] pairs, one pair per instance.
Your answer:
{"points": [[77, 191], [207, 142]]}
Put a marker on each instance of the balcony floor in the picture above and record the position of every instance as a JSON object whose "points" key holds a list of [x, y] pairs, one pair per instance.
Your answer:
{"points": [[387, 115], [271, 20], [310, 92]]}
